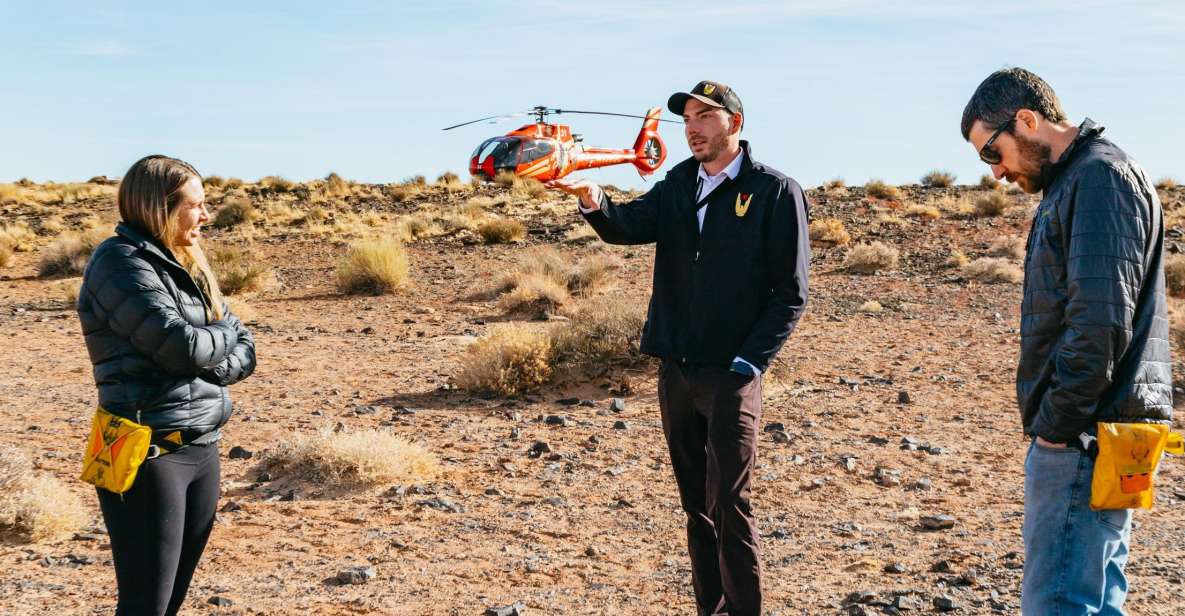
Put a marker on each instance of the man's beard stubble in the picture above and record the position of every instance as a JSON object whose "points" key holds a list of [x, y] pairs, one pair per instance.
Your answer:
{"points": [[1035, 165], [716, 145]]}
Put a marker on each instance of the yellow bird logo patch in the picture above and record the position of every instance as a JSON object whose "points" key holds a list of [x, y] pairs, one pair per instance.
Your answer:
{"points": [[709, 89], [742, 206]]}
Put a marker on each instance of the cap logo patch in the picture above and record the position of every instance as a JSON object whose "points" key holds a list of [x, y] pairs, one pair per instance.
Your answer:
{"points": [[709, 89]]}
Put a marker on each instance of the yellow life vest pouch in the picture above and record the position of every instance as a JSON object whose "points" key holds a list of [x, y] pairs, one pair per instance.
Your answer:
{"points": [[1125, 469], [116, 449]]}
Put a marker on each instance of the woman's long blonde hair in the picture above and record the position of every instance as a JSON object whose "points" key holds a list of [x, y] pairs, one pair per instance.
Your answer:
{"points": [[148, 198]]}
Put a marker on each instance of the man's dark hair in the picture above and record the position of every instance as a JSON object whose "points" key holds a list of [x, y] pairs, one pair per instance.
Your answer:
{"points": [[1007, 91]]}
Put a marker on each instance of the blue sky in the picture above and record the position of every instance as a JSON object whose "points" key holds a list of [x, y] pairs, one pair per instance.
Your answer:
{"points": [[837, 88]]}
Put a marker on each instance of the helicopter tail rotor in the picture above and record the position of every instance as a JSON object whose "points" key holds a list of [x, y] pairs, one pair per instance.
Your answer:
{"points": [[649, 147]]}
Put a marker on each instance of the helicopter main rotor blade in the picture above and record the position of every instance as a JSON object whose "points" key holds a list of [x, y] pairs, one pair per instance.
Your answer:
{"points": [[494, 117], [606, 113]]}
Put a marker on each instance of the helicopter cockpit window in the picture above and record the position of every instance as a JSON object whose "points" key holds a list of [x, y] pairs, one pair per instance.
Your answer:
{"points": [[504, 150], [534, 150]]}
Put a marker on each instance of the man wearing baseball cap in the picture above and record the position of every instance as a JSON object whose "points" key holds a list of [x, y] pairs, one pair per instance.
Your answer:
{"points": [[730, 283]]}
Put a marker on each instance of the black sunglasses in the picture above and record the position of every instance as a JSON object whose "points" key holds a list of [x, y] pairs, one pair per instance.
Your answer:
{"points": [[991, 155]]}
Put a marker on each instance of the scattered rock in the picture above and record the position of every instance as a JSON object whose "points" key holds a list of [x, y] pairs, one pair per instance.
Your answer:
{"points": [[556, 420], [620, 425], [220, 601], [903, 397], [355, 575], [365, 410], [923, 485], [848, 461], [568, 401], [781, 437], [886, 477], [775, 426], [239, 453], [617, 405], [945, 603], [941, 521], [231, 506], [538, 449], [878, 440], [516, 609], [895, 568], [441, 504]]}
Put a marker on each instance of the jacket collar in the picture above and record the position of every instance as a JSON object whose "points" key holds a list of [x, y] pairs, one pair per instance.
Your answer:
{"points": [[1087, 131], [143, 241]]}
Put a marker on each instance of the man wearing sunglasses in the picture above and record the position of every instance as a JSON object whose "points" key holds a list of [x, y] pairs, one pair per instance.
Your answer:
{"points": [[1094, 330]]}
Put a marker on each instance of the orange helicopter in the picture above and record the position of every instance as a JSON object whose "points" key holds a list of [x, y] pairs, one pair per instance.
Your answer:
{"points": [[545, 151]]}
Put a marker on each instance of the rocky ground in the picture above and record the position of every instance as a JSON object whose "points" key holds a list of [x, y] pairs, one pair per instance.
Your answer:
{"points": [[889, 479]]}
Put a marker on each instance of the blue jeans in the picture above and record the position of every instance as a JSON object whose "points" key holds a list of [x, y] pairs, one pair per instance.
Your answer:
{"points": [[1074, 557]]}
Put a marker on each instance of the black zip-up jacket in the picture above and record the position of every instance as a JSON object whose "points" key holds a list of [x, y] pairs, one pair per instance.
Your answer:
{"points": [[156, 357], [738, 289], [1094, 320]]}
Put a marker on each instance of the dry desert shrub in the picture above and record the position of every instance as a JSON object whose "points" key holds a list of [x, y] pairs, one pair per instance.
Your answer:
{"points": [[417, 226], [872, 258], [376, 267], [402, 193], [926, 212], [992, 204], [830, 230], [354, 458], [14, 238], [1166, 183], [234, 212], [1011, 247], [588, 276], [239, 272], [68, 254], [501, 231], [581, 233], [7, 255], [993, 269], [988, 182], [957, 205], [511, 360], [214, 181], [34, 506], [880, 190], [529, 188], [534, 295], [448, 178], [276, 184], [835, 184], [938, 179], [1174, 275], [600, 335]]}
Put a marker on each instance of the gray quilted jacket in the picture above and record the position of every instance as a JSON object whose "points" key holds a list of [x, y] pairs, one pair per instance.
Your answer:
{"points": [[156, 357], [1094, 323]]}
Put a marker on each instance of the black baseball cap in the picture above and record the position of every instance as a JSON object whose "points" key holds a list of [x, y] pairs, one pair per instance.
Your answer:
{"points": [[711, 93]]}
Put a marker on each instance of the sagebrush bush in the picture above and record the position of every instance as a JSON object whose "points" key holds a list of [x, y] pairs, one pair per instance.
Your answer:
{"points": [[938, 179], [353, 458], [992, 204], [829, 230], [68, 254], [599, 335], [234, 212], [881, 190], [871, 258], [511, 360], [501, 231], [375, 266], [988, 182], [34, 506], [993, 269]]}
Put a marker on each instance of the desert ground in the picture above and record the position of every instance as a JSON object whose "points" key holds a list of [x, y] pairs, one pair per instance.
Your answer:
{"points": [[891, 406]]}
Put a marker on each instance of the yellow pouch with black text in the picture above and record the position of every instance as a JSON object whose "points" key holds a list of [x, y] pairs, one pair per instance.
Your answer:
{"points": [[116, 449], [1125, 469]]}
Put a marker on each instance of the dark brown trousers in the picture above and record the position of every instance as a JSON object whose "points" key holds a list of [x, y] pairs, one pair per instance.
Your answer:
{"points": [[711, 418]]}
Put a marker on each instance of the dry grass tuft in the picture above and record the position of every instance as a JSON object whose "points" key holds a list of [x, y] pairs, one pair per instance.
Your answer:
{"points": [[872, 258], [926, 212], [448, 178], [830, 230], [938, 179], [835, 184], [988, 182], [501, 231], [14, 238], [993, 269], [354, 458], [234, 212], [34, 506], [871, 307], [880, 190], [992, 204], [68, 254], [214, 181], [276, 184], [511, 360], [1166, 183], [1174, 275], [956, 259], [239, 272], [535, 295], [376, 267]]}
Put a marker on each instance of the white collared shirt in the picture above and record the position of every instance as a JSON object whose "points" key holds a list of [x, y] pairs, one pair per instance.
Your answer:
{"points": [[706, 184]]}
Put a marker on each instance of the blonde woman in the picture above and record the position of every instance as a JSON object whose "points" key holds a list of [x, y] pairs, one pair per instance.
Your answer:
{"points": [[164, 348]]}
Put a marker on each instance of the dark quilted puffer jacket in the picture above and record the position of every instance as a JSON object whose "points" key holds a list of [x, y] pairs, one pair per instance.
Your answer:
{"points": [[1094, 323], [157, 359]]}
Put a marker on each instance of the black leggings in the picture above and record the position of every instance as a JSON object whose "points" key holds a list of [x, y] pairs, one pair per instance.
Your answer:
{"points": [[159, 529]]}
